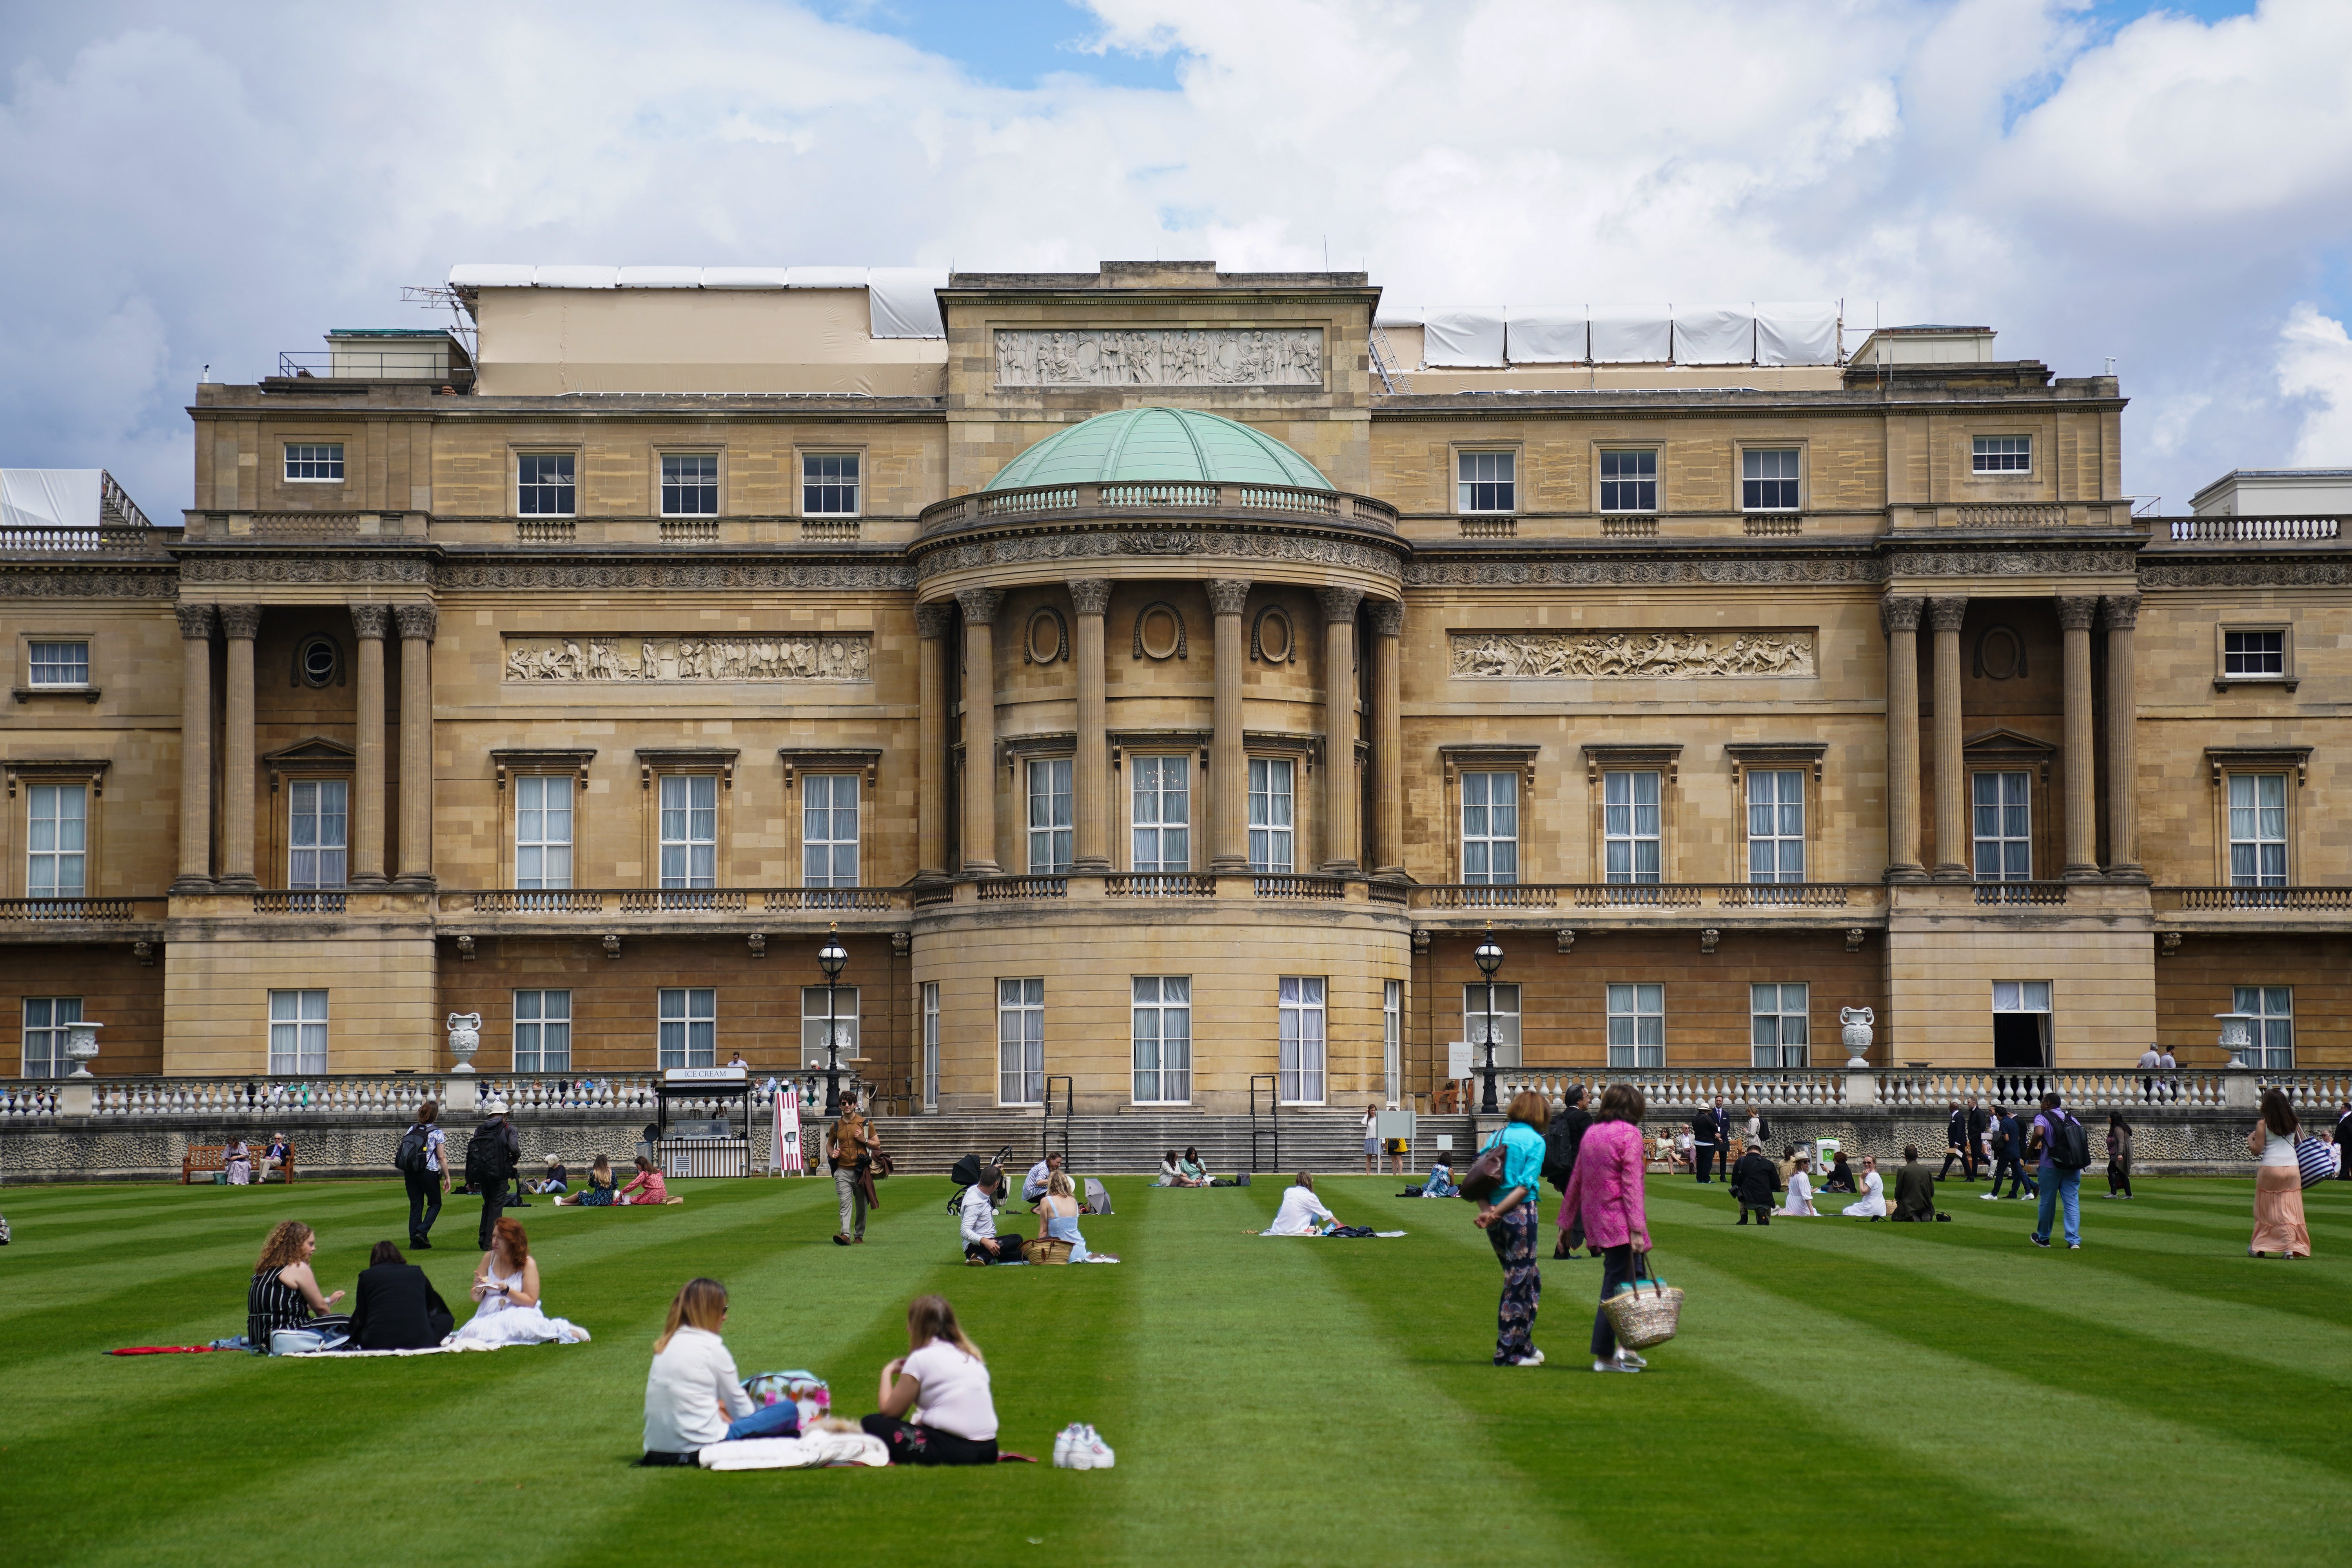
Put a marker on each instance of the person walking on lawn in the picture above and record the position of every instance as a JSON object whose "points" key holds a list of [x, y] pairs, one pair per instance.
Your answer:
{"points": [[1606, 1190], [2342, 1139], [426, 1175], [848, 1150], [1958, 1144], [1509, 1218], [2062, 1148], [491, 1156], [1710, 1132], [1561, 1141]]}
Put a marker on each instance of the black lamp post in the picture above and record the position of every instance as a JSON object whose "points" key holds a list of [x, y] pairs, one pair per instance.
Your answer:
{"points": [[1490, 959], [831, 958]]}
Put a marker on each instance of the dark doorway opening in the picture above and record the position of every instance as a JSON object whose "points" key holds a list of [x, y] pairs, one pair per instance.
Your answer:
{"points": [[2017, 1041]]}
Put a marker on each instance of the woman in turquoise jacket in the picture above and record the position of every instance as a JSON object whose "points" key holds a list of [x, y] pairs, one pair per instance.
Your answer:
{"points": [[1509, 1218]]}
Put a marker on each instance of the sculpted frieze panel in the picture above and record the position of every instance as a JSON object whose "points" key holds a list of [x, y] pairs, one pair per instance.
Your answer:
{"points": [[16, 584], [1157, 356], [687, 574], [2335, 574], [375, 569], [1783, 655], [2007, 563], [832, 656], [1613, 573]]}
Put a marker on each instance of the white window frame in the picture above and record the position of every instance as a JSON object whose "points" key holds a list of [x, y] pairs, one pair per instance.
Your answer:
{"points": [[675, 829], [1509, 1048], [679, 486], [1302, 1060], [1637, 1025], [1158, 785], [2031, 997], [1053, 841], [845, 1023], [314, 454], [542, 831], [297, 1034], [44, 1042], [2002, 840], [1160, 1015], [931, 1045], [319, 847], [42, 671], [56, 841], [1392, 1040], [1643, 480], [1772, 1022], [1624, 831], [1490, 827], [1779, 491], [2272, 1021], [823, 820], [2258, 828], [1273, 814], [542, 1031], [821, 492], [2000, 454], [538, 495], [1775, 836], [1486, 481], [682, 1016], [1020, 1041]]}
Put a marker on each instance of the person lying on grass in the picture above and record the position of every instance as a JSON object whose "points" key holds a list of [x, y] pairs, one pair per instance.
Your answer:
{"points": [[944, 1372], [648, 1185], [1302, 1213], [284, 1292], [693, 1398], [1058, 1219], [977, 1222], [598, 1193]]}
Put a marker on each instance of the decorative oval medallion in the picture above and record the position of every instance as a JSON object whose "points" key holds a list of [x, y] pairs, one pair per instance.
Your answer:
{"points": [[1271, 638], [1048, 639], [1160, 632]]}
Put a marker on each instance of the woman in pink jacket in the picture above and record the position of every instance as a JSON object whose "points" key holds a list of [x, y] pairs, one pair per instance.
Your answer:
{"points": [[1606, 1190]]}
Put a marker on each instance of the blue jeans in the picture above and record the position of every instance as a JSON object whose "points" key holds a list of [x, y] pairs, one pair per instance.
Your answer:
{"points": [[2055, 1183], [782, 1419]]}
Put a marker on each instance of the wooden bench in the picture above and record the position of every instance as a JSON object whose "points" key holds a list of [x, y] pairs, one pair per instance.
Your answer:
{"points": [[206, 1159]]}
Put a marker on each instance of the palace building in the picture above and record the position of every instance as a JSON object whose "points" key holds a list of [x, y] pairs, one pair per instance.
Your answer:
{"points": [[1161, 680]]}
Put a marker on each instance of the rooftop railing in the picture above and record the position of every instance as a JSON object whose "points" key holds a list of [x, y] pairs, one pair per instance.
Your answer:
{"points": [[2182, 897], [1161, 498], [1644, 895], [2217, 529], [671, 900]]}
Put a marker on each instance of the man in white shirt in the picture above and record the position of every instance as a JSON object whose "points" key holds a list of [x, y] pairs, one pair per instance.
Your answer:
{"points": [[1300, 1211], [2151, 1063], [2171, 1084], [1033, 1186], [977, 1223]]}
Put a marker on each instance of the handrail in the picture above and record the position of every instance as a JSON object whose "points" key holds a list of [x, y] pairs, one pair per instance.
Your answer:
{"points": [[76, 908], [673, 901], [1160, 497], [2197, 530], [994, 887], [2235, 897], [2020, 892], [1160, 885]]}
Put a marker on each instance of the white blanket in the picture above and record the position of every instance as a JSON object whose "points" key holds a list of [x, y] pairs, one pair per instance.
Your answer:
{"points": [[818, 1448], [449, 1346]]}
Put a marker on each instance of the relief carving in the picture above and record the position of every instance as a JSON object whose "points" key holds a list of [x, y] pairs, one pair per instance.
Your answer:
{"points": [[1632, 656], [1425, 574], [1215, 356], [844, 655], [696, 576]]}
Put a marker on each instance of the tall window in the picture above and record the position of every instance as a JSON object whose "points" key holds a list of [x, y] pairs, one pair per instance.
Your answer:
{"points": [[689, 830], [2258, 830], [1506, 1022], [2020, 1024], [844, 1007], [690, 484], [317, 832], [1270, 817], [1162, 807], [1768, 479], [1637, 1025], [2245, 655], [1049, 821], [829, 830], [1777, 1026], [313, 461], [931, 1045], [1488, 482], [1490, 827], [46, 1018], [1629, 481], [2273, 1007], [1392, 1040], [2003, 454], [61, 663], [2004, 827], [58, 827], [1163, 1040], [1021, 1042], [829, 484], [1300, 1061], [543, 831], [1776, 825], [543, 484], [297, 1031], [688, 1033], [1630, 836], [542, 1031]]}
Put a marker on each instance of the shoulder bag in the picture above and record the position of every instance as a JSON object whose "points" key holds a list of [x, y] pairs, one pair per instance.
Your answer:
{"points": [[2311, 1155], [1485, 1172]]}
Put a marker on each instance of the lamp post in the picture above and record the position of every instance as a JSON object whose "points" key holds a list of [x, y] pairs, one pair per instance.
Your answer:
{"points": [[1490, 959], [831, 958]]}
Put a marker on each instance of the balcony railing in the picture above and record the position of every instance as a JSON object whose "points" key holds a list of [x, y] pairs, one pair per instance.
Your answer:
{"points": [[1285, 887], [671, 900], [2207, 529], [998, 888], [1160, 885], [299, 902], [1643, 895], [84, 909], [1931, 1089], [2020, 892], [1163, 498], [2176, 898]]}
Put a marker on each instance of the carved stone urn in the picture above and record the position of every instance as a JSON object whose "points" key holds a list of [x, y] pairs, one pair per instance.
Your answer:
{"points": [[81, 1046], [1855, 1029], [465, 1039]]}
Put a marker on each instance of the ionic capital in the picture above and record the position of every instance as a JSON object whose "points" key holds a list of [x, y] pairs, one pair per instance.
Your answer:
{"points": [[196, 621], [1945, 613], [1091, 595], [240, 622], [1901, 614], [2075, 611], [980, 604], [2122, 611], [371, 621], [1228, 595], [417, 623], [1339, 604]]}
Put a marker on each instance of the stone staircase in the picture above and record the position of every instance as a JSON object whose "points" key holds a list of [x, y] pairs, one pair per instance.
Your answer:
{"points": [[1131, 1142]]}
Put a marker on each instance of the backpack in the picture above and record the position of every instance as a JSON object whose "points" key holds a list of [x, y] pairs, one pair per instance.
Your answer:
{"points": [[2070, 1146], [1560, 1156], [409, 1161], [485, 1156]]}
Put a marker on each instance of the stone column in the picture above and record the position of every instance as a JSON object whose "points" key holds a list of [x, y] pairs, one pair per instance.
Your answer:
{"points": [[2074, 616], [371, 622], [195, 749], [980, 607], [417, 624], [1340, 833], [2123, 742], [1945, 616], [1901, 617], [239, 622], [932, 742], [1388, 739], [1228, 750], [1090, 771]]}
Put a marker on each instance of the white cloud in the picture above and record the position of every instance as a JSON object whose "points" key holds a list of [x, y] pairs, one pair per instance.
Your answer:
{"points": [[2315, 363]]}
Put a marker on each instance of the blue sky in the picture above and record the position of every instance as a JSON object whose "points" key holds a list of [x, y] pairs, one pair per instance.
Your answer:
{"points": [[1013, 43]]}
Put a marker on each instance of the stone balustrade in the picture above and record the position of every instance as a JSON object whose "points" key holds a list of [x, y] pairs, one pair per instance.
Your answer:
{"points": [[1934, 1089]]}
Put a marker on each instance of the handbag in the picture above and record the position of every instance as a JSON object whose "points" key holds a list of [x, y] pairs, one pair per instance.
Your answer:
{"points": [[1485, 1172], [1640, 1319], [2311, 1156]]}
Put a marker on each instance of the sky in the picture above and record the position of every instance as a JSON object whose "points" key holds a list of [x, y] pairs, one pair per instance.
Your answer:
{"points": [[2166, 186]]}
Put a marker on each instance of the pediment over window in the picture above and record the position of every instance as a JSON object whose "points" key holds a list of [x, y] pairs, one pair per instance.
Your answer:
{"points": [[505, 760], [313, 758], [864, 760], [91, 771], [1746, 754], [2295, 760]]}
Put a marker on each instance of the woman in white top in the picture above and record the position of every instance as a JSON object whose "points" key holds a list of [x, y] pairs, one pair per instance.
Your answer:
{"points": [[693, 1398], [944, 1381], [1685, 1144], [2279, 1226], [1799, 1204], [1302, 1213], [1872, 1205], [506, 1284]]}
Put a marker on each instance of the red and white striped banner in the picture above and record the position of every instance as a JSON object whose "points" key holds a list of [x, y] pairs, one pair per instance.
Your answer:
{"points": [[786, 1155]]}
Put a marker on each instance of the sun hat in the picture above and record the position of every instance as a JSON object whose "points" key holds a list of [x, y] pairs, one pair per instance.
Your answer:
{"points": [[497, 1107]]}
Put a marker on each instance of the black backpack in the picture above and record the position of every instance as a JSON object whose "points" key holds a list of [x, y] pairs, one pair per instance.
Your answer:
{"points": [[2070, 1146], [485, 1156], [409, 1161]]}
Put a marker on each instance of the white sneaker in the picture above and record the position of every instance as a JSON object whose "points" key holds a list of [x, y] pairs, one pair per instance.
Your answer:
{"points": [[1629, 1358], [1613, 1364], [1065, 1441], [1091, 1453], [1533, 1358], [1988, 1197]]}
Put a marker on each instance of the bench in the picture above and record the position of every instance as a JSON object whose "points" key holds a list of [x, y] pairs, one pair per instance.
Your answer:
{"points": [[206, 1159]]}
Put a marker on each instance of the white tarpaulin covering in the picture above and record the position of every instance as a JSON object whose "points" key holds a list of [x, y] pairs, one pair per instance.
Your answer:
{"points": [[1633, 334], [1797, 334], [1390, 315], [1715, 335], [489, 275], [825, 278], [1547, 334], [574, 276], [905, 301], [745, 277], [48, 497], [661, 277], [1471, 335]]}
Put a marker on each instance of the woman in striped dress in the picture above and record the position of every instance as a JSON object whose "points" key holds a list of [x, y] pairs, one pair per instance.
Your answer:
{"points": [[284, 1292]]}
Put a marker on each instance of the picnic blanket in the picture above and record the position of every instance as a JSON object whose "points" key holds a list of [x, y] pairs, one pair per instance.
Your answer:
{"points": [[449, 1346], [170, 1350], [1341, 1234], [816, 1450]]}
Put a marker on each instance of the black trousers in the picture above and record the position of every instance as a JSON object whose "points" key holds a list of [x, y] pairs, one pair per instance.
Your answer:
{"points": [[1010, 1252], [913, 1445], [1703, 1156], [423, 1203], [1968, 1164], [1763, 1213], [494, 1200], [1616, 1271]]}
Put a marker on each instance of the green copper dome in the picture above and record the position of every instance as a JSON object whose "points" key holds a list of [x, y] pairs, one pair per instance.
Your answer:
{"points": [[1159, 444]]}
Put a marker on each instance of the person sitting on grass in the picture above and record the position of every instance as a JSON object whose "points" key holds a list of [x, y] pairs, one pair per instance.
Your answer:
{"points": [[1190, 1172], [648, 1185], [1033, 1186], [944, 1372], [1440, 1183], [1753, 1182], [1872, 1203], [1800, 1190], [977, 1222], [1841, 1178], [1058, 1219], [396, 1307], [1914, 1188], [1168, 1175], [283, 1296], [1302, 1213], [598, 1194], [556, 1180], [507, 1286], [693, 1398]]}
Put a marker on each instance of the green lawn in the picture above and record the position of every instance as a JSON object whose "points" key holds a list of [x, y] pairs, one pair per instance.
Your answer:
{"points": [[1842, 1392]]}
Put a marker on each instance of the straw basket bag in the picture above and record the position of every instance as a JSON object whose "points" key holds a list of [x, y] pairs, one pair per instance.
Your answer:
{"points": [[1047, 1249], [1644, 1318]]}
